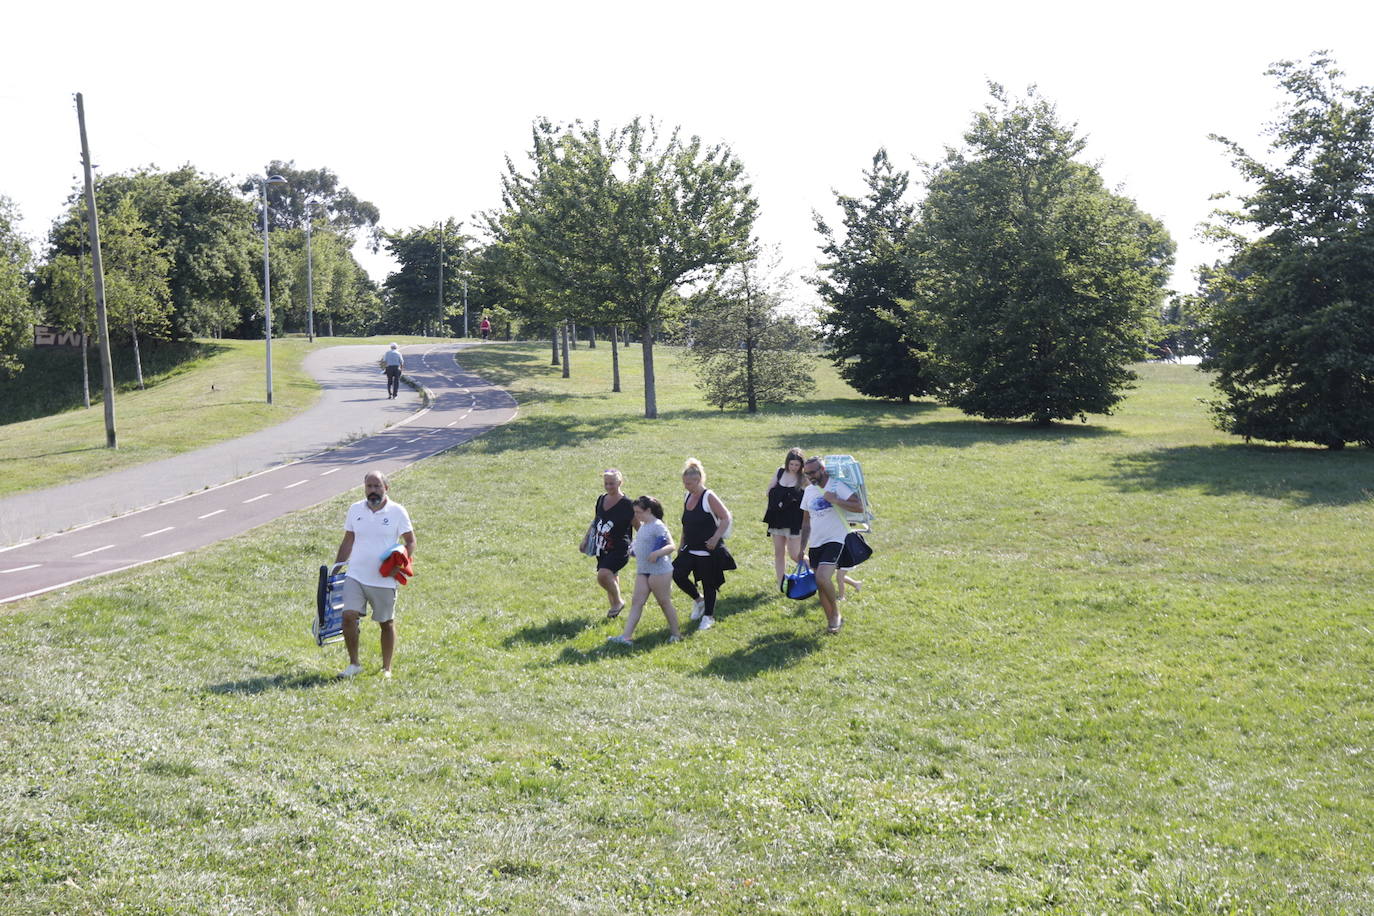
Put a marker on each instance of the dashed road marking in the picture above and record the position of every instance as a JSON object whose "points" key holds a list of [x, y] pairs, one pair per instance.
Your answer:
{"points": [[20, 568], [296, 484], [158, 531], [208, 514], [87, 553], [258, 497]]}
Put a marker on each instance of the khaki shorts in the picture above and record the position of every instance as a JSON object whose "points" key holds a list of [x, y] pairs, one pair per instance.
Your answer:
{"points": [[356, 597]]}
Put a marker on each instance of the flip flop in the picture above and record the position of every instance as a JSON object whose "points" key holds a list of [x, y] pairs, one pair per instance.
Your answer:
{"points": [[836, 628], [614, 612]]}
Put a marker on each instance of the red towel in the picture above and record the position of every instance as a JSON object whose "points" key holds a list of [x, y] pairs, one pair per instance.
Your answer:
{"points": [[398, 566]]}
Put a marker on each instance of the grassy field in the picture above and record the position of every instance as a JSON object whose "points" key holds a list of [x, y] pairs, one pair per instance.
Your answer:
{"points": [[196, 394], [1121, 667]]}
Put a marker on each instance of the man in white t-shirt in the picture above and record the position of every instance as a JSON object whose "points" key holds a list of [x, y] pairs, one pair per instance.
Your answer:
{"points": [[824, 529], [373, 528]]}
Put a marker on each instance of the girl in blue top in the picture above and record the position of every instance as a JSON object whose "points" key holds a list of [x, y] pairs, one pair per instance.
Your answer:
{"points": [[652, 546]]}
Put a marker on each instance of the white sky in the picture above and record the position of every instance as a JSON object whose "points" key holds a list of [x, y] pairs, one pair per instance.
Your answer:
{"points": [[415, 105]]}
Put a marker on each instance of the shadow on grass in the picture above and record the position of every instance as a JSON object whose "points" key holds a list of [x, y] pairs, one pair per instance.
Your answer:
{"points": [[553, 631], [772, 652], [256, 685], [1301, 476], [872, 433], [542, 433], [728, 605]]}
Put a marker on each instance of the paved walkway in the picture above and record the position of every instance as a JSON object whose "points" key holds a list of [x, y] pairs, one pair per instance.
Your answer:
{"points": [[65, 534]]}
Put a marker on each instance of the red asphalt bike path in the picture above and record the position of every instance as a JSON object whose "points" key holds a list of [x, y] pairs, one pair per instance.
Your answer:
{"points": [[192, 511]]}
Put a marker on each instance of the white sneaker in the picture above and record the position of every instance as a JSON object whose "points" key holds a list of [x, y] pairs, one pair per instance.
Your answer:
{"points": [[706, 623], [698, 608], [386, 673], [351, 671]]}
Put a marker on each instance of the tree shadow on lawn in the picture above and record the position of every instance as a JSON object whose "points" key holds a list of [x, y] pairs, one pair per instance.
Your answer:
{"points": [[945, 434], [1302, 476], [256, 685], [771, 652], [554, 631], [541, 433]]}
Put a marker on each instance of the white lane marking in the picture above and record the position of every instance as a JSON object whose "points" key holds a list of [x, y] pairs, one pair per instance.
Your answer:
{"points": [[296, 484], [208, 514], [451, 423], [158, 531], [408, 441], [87, 553], [385, 450], [21, 568], [356, 460], [6, 599], [258, 497], [330, 471]]}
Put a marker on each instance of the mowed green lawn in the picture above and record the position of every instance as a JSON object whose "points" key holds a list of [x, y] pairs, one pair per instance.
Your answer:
{"points": [[1121, 667], [221, 394]]}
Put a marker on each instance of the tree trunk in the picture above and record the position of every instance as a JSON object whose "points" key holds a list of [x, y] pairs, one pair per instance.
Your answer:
{"points": [[566, 367], [591, 337], [615, 360], [650, 395], [138, 361], [85, 369], [750, 385], [553, 338], [572, 332]]}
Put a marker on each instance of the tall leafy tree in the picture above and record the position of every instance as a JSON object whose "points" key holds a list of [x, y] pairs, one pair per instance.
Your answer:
{"points": [[1038, 282], [1292, 309], [16, 309], [135, 269], [866, 282], [413, 290], [317, 194], [610, 222], [207, 231], [747, 349]]}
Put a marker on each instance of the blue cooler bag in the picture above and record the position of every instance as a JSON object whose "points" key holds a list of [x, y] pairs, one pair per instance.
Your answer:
{"points": [[800, 584]]}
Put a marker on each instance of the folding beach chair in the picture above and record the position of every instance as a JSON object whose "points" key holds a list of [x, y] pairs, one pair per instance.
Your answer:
{"points": [[327, 626], [846, 468]]}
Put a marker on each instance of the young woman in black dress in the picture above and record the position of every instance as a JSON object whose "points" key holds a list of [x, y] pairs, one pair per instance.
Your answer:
{"points": [[784, 515]]}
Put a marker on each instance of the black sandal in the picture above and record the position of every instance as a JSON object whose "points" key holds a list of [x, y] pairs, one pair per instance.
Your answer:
{"points": [[614, 612]]}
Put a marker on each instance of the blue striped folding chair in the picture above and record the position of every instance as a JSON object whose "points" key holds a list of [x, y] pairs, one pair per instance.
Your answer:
{"points": [[327, 626]]}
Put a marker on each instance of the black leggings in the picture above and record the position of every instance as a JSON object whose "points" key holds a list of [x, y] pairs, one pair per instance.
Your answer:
{"points": [[683, 578]]}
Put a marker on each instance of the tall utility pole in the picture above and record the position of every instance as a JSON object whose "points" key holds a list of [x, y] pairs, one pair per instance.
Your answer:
{"points": [[98, 271]]}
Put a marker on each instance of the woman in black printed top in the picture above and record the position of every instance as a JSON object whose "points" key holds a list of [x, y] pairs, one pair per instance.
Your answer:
{"points": [[615, 517]]}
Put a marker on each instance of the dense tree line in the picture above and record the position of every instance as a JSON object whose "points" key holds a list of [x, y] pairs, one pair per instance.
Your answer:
{"points": [[1018, 285]]}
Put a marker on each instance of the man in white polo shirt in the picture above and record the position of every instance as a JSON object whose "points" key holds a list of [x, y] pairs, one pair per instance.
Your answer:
{"points": [[824, 529], [373, 527]]}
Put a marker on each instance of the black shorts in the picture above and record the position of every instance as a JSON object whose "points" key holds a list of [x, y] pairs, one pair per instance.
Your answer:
{"points": [[614, 561], [832, 553]]}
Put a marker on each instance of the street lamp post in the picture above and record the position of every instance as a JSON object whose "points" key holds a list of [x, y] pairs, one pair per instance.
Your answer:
{"points": [[267, 276], [309, 280]]}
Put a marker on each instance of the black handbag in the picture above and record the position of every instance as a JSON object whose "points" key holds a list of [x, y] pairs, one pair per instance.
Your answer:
{"points": [[856, 550]]}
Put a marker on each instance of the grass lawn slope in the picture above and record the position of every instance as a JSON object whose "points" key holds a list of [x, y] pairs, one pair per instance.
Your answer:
{"points": [[1122, 667], [197, 393]]}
